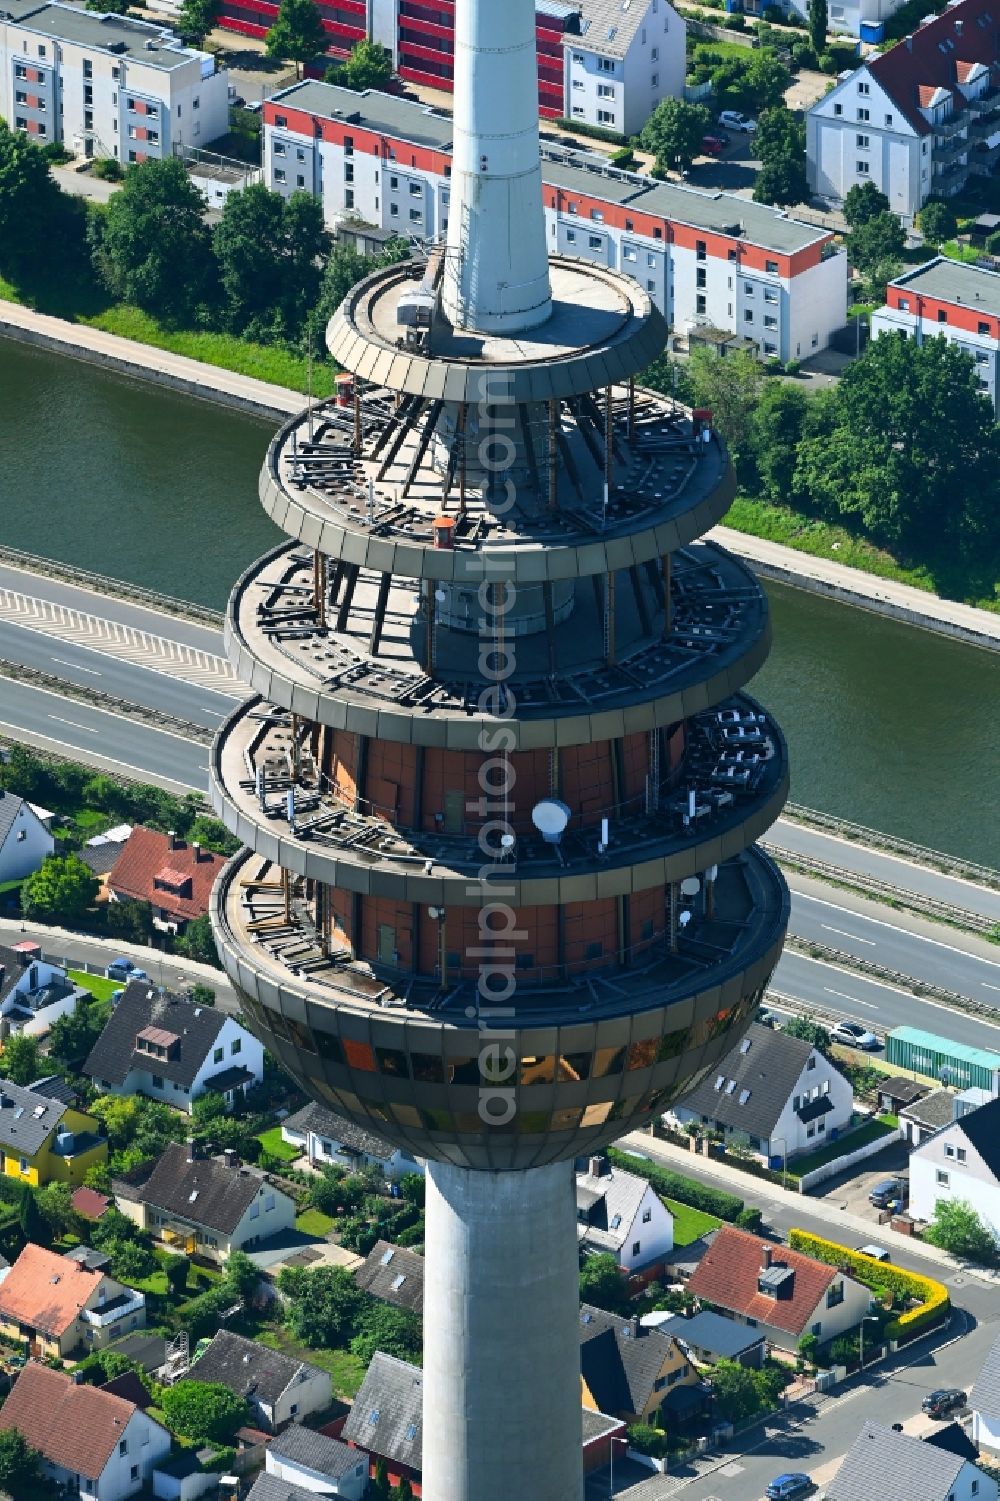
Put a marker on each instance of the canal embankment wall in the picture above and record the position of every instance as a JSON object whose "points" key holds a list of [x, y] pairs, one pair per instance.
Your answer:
{"points": [[260, 399]]}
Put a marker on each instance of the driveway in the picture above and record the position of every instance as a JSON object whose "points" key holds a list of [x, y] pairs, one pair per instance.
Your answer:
{"points": [[849, 1190]]}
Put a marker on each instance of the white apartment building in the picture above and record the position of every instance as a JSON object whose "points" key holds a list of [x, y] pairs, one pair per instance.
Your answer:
{"points": [[106, 85], [628, 57], [916, 121], [707, 259], [946, 299]]}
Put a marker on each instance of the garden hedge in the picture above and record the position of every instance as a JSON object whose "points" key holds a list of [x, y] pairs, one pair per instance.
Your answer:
{"points": [[672, 1185], [932, 1297]]}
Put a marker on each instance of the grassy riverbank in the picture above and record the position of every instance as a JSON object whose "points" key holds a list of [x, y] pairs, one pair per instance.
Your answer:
{"points": [[267, 362]]}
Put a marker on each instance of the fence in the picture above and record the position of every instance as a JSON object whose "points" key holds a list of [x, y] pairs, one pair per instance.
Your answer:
{"points": [[838, 1164]]}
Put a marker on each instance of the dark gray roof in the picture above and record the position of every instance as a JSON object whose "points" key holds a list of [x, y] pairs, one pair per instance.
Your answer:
{"points": [[597, 1424], [114, 1054], [982, 1128], [269, 1488], [54, 1087], [933, 1111], [147, 1350], [247, 1368], [954, 1438], [810, 1110], [127, 34], [10, 807], [315, 1451], [906, 1091], [387, 1416], [230, 1078], [27, 1118], [769, 1069], [607, 1203], [985, 1394], [620, 1359], [608, 26], [323, 1122], [386, 114], [89, 1257], [395, 1274], [951, 281], [204, 1192], [709, 1331], [894, 1467]]}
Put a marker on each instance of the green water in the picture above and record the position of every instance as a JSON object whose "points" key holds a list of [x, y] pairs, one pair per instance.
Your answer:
{"points": [[887, 725]]}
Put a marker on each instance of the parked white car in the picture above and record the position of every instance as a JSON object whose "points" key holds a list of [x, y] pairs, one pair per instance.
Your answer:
{"points": [[855, 1035], [733, 119]]}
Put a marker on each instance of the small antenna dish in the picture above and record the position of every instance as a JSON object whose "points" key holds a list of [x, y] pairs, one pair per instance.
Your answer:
{"points": [[440, 596], [550, 818], [506, 841], [684, 919], [690, 886]]}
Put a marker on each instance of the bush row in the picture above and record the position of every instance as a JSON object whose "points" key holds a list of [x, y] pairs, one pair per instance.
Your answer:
{"points": [[674, 1186], [932, 1297], [598, 132]]}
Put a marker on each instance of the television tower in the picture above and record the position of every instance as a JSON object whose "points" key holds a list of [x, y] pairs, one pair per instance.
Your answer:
{"points": [[499, 788]]}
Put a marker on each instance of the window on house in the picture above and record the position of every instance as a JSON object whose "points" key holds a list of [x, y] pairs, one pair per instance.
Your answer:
{"points": [[123, 1448], [300, 181], [863, 88], [838, 109], [835, 1295], [605, 65], [281, 121], [650, 285], [770, 321], [817, 1329], [961, 1154], [116, 74], [942, 1178], [700, 250], [771, 267], [279, 148], [647, 1215], [748, 288], [629, 253], [863, 142], [605, 91], [636, 1246], [862, 169], [606, 116], [701, 277], [888, 121], [748, 315], [863, 116], [983, 328], [279, 174], [135, 1472], [654, 82], [255, 1210], [699, 304], [348, 145], [949, 1150], [770, 348], [41, 50], [394, 211], [942, 315], [218, 1055]]}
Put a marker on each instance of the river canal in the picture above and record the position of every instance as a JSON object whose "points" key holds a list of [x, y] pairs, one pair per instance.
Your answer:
{"points": [[887, 724]]}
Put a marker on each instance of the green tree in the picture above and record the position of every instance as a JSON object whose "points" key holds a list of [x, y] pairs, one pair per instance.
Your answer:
{"points": [[20, 1464], [29, 1217], [130, 919], [647, 1439], [270, 254], [937, 222], [956, 1227], [674, 132], [395, 1331], [368, 67], [54, 1203], [241, 1276], [862, 202], [602, 1284], [60, 890], [323, 1305], [211, 833], [381, 1481], [909, 451], [810, 1032], [782, 181], [37, 220], [196, 18], [298, 34], [737, 1394], [775, 430], [780, 143], [72, 1036], [19, 1061], [202, 995], [807, 1347], [818, 22], [198, 941], [876, 243], [756, 82], [152, 247], [176, 1269], [203, 1411], [131, 1260], [402, 1491], [731, 385]]}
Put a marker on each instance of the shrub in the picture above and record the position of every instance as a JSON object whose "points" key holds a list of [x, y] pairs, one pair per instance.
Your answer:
{"points": [[597, 132], [792, 367], [623, 157], [931, 1297], [803, 55], [675, 1186], [108, 168], [749, 1219], [736, 22]]}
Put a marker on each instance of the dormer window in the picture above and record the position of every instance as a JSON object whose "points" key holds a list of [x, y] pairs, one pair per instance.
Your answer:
{"points": [[156, 1042]]}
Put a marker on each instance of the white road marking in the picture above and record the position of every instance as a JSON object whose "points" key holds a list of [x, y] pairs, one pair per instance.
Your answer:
{"points": [[76, 726], [78, 666], [987, 986], [907, 995], [878, 923], [852, 998], [844, 934]]}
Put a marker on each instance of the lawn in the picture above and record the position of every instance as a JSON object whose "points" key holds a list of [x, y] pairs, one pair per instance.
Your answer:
{"points": [[276, 1146], [690, 1223], [100, 988], [313, 1222], [870, 1131], [346, 1370]]}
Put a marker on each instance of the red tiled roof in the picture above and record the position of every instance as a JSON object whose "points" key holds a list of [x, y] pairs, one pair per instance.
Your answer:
{"points": [[916, 65], [77, 1427], [89, 1203], [727, 1275], [926, 93], [45, 1291], [146, 855]]}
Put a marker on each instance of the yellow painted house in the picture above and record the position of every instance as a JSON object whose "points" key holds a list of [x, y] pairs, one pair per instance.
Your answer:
{"points": [[43, 1138], [630, 1371]]}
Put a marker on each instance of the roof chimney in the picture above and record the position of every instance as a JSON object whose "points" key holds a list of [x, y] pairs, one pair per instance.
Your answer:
{"points": [[230, 1157], [192, 1154], [765, 1258], [196, 848], [908, 43], [172, 839], [598, 1166]]}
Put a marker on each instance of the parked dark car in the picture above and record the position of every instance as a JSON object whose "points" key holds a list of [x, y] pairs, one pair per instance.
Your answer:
{"points": [[889, 1191], [943, 1402], [789, 1487]]}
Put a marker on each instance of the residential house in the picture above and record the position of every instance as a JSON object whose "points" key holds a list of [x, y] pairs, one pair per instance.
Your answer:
{"points": [[897, 1093], [636, 1373], [777, 1095], [60, 1306], [617, 1212], [984, 1401], [100, 853], [918, 119], [926, 1116], [777, 1290], [92, 1443], [393, 1274], [945, 299], [25, 838], [318, 1464], [961, 1161], [108, 85], [210, 1206], [329, 1140], [895, 1466], [163, 1046], [707, 259], [708, 1337], [33, 993], [268, 1487], [45, 1140], [278, 1388], [175, 877]]}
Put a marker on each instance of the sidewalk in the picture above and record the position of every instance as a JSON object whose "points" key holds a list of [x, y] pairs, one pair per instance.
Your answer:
{"points": [[852, 585], [838, 1219]]}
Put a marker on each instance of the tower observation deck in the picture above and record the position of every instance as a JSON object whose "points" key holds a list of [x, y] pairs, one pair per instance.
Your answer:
{"points": [[500, 781]]}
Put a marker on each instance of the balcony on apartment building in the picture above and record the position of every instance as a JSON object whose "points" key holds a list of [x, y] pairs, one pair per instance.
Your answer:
{"points": [[116, 1309], [984, 103]]}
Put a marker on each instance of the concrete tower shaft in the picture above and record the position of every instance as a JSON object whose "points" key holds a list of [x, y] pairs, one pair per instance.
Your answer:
{"points": [[496, 275]]}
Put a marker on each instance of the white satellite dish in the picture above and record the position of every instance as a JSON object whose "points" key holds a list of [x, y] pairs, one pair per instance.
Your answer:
{"points": [[440, 595], [690, 886], [506, 841], [550, 818], [684, 919]]}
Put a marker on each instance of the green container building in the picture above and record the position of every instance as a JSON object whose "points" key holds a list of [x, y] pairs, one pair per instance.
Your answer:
{"points": [[913, 1051]]}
